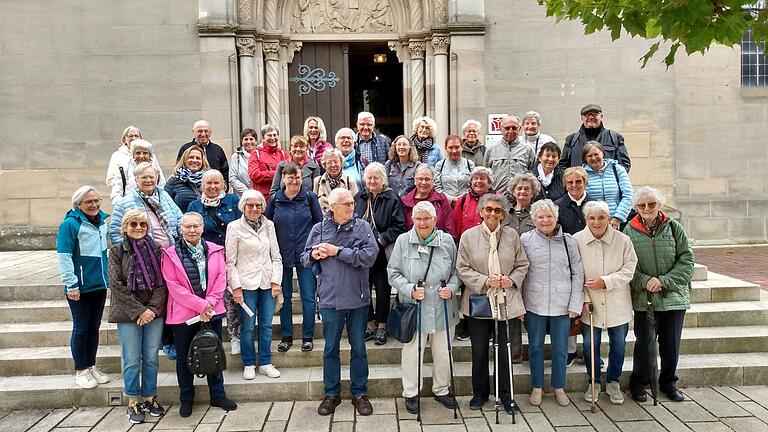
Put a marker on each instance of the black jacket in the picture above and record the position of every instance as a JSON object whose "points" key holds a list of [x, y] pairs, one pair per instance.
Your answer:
{"points": [[556, 188], [571, 217], [387, 212], [612, 141], [181, 192], [217, 159]]}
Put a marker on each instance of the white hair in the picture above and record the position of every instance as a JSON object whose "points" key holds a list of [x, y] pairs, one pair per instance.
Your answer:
{"points": [[336, 195], [596, 206], [362, 115], [533, 115], [544, 205], [471, 122], [140, 168], [191, 214], [250, 194], [212, 173], [424, 206], [424, 168], [377, 168], [80, 193], [343, 130], [647, 191], [140, 144]]}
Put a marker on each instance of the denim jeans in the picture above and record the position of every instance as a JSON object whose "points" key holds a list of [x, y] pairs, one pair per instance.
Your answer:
{"points": [[307, 289], [140, 345], [558, 334], [617, 337], [262, 304], [333, 324], [184, 334], [86, 322]]}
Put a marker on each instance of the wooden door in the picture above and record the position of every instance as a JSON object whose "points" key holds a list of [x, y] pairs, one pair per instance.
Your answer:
{"points": [[318, 85]]}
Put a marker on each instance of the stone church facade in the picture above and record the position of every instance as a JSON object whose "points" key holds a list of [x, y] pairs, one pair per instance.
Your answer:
{"points": [[74, 73]]}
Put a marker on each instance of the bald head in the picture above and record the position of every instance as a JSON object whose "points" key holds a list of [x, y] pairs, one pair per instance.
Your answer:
{"points": [[201, 131]]}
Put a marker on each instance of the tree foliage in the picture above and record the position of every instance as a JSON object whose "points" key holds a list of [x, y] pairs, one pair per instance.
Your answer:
{"points": [[691, 24]]}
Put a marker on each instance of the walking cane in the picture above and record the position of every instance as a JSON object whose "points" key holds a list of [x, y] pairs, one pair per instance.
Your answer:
{"points": [[443, 284], [496, 356], [420, 286], [508, 336], [593, 407]]}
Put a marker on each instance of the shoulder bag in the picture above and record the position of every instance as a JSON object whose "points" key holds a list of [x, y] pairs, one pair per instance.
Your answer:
{"points": [[401, 322]]}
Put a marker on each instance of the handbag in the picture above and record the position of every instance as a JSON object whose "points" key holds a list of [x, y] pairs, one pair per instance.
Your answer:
{"points": [[576, 323], [401, 322], [480, 304]]}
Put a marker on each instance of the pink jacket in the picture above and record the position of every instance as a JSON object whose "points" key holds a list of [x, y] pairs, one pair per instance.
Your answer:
{"points": [[183, 304]]}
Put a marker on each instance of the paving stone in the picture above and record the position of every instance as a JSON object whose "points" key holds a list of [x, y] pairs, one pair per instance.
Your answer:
{"points": [[274, 426], [525, 405], [577, 399], [115, 420], [464, 410], [248, 416], [745, 424], [444, 428], [628, 411], [473, 424], [562, 416], [601, 422], [688, 411], [731, 393], [402, 413], [432, 412], [73, 429], [172, 420], [344, 412], [414, 426], [709, 427], [280, 411], [640, 426], [575, 429], [538, 422], [384, 406], [505, 422], [144, 427], [663, 416], [50, 421], [715, 403], [343, 427], [758, 394], [755, 409], [207, 427], [304, 418], [84, 416], [214, 415], [379, 423]]}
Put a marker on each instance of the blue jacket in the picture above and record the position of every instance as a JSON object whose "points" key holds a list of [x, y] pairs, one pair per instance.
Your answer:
{"points": [[227, 211], [182, 193], [342, 279], [132, 201], [605, 187], [294, 219], [380, 143], [81, 250]]}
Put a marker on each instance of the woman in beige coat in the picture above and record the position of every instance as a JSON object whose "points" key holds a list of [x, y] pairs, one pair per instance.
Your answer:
{"points": [[491, 258], [609, 262]]}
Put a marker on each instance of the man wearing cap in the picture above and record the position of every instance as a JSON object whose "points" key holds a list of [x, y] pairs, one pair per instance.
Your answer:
{"points": [[592, 130]]}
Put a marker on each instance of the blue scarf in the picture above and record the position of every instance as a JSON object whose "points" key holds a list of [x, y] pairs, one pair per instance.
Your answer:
{"points": [[187, 176]]}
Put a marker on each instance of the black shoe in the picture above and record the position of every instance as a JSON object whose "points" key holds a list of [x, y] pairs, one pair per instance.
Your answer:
{"points": [[477, 402], [285, 344], [328, 405], [153, 408], [225, 403], [464, 333], [370, 333], [509, 405], [412, 405], [571, 359], [380, 336], [307, 345], [135, 413], [447, 401], [363, 405], [638, 395], [185, 409], [673, 394]]}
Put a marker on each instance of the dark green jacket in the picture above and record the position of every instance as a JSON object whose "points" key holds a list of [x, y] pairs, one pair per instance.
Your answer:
{"points": [[669, 257]]}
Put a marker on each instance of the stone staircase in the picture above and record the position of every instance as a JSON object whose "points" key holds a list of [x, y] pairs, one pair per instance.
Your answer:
{"points": [[723, 344]]}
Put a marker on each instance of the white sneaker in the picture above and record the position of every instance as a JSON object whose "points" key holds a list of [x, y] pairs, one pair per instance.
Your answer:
{"points": [[235, 346], [614, 392], [269, 371], [249, 372], [98, 375], [588, 393], [85, 380]]}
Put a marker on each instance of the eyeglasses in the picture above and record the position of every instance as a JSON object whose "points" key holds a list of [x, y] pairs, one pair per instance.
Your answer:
{"points": [[345, 204], [292, 178], [192, 226], [424, 179], [514, 128], [591, 115], [92, 202], [496, 210], [649, 206], [471, 132], [422, 219], [254, 206], [135, 224]]}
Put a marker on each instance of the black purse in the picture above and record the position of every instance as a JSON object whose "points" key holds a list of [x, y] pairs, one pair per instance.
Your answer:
{"points": [[480, 304], [401, 322]]}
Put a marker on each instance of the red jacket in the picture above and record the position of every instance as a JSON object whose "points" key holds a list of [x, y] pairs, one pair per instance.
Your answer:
{"points": [[465, 215], [442, 208], [261, 167]]}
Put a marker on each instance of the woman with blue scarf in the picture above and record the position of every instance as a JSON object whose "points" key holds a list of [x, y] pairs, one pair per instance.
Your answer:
{"points": [[184, 186], [353, 163]]}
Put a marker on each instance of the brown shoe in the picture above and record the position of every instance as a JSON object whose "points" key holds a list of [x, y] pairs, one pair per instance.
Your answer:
{"points": [[363, 405], [517, 358], [328, 405]]}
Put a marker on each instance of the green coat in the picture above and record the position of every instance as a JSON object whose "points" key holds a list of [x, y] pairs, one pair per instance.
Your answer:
{"points": [[669, 257]]}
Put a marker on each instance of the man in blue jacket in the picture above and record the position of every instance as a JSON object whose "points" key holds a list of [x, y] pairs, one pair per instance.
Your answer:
{"points": [[340, 249]]}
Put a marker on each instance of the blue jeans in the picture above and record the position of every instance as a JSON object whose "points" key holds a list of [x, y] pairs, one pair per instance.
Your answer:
{"points": [[307, 287], [184, 335], [558, 334], [333, 324], [140, 345], [262, 304], [86, 322], [617, 337]]}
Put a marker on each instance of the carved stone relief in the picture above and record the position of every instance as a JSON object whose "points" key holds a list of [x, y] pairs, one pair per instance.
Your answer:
{"points": [[246, 45], [440, 44], [244, 12], [342, 16], [271, 50]]}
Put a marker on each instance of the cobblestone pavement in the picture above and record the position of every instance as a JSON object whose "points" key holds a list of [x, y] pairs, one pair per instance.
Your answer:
{"points": [[705, 409], [749, 263]]}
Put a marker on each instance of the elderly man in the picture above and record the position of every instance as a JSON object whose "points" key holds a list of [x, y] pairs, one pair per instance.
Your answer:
{"points": [[340, 249], [592, 129], [217, 159], [532, 134], [371, 146], [510, 156]]}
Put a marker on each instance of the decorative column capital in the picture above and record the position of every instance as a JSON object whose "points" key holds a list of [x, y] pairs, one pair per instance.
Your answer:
{"points": [[440, 44], [416, 50], [293, 48], [246, 46], [271, 50]]}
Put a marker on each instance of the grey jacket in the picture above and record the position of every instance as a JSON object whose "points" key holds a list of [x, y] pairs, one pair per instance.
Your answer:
{"points": [[407, 266], [549, 288], [238, 172], [507, 160]]}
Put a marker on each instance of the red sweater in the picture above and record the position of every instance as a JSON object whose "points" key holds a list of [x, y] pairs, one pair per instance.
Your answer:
{"points": [[261, 167]]}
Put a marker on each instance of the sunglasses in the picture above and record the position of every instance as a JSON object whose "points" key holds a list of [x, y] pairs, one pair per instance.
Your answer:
{"points": [[497, 210], [135, 224]]}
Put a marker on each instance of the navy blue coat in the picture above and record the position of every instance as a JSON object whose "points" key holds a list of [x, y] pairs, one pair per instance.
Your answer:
{"points": [[226, 212], [182, 193], [389, 217], [294, 219], [571, 216]]}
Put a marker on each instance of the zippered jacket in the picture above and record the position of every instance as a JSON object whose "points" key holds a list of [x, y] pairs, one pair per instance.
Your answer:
{"points": [[81, 251]]}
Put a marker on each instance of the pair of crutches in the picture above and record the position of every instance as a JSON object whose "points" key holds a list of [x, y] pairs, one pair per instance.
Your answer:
{"points": [[507, 328]]}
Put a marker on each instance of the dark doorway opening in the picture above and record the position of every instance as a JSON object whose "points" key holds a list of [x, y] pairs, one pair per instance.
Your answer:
{"points": [[376, 86]]}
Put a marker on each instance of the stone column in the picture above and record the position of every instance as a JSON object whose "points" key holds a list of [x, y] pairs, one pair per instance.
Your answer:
{"points": [[246, 47], [400, 50], [416, 51], [440, 45], [272, 59]]}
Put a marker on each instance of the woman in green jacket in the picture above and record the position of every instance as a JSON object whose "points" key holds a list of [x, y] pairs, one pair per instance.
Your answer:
{"points": [[663, 275]]}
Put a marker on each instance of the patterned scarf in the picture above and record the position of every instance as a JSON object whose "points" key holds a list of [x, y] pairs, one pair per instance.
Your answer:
{"points": [[212, 202], [334, 182], [198, 255], [255, 225], [422, 147], [142, 252], [495, 295], [426, 241], [187, 176], [153, 202]]}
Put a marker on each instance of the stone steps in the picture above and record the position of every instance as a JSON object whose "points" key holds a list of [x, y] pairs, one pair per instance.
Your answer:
{"points": [[297, 384]]}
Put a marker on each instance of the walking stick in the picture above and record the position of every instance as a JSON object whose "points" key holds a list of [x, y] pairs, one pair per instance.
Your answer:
{"points": [[496, 356], [420, 286], [650, 319], [443, 284], [508, 336], [593, 407]]}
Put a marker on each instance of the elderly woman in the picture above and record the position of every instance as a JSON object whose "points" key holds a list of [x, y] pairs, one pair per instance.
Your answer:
{"points": [[401, 166], [662, 277], [608, 181], [553, 293], [521, 189], [317, 138], [238, 165], [81, 251], [262, 164], [491, 262], [254, 270], [465, 208], [380, 206], [117, 170], [423, 269], [425, 191], [423, 138], [609, 262], [295, 210], [298, 155], [334, 177], [571, 205], [532, 134], [549, 174], [141, 151], [354, 164], [185, 185], [138, 306], [196, 275], [454, 171], [472, 147]]}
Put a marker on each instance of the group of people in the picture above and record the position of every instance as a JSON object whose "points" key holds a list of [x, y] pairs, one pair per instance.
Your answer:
{"points": [[526, 232]]}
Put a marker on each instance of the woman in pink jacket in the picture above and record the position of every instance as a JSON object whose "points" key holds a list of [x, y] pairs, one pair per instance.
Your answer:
{"points": [[196, 275]]}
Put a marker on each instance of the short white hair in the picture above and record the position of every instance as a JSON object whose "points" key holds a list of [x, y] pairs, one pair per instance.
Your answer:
{"points": [[140, 144], [80, 193], [342, 131], [424, 168], [596, 206], [647, 191], [471, 122], [250, 194], [377, 168], [533, 115], [212, 173], [424, 206], [362, 115], [191, 214], [544, 205], [140, 168], [336, 195]]}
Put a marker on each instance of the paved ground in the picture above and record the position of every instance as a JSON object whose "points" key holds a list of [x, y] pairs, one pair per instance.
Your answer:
{"points": [[707, 409], [749, 263]]}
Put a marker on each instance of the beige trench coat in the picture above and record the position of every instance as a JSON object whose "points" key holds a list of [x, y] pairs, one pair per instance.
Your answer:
{"points": [[253, 259]]}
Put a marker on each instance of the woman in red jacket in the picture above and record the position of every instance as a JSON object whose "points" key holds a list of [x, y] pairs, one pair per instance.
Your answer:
{"points": [[262, 163]]}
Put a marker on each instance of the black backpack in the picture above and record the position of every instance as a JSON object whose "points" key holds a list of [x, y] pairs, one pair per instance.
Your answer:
{"points": [[206, 353]]}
